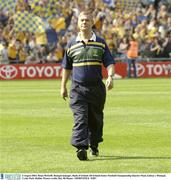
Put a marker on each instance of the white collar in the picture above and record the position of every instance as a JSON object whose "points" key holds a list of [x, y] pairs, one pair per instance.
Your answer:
{"points": [[93, 37]]}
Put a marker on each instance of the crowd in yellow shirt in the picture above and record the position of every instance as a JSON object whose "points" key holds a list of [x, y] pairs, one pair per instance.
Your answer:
{"points": [[150, 27]]}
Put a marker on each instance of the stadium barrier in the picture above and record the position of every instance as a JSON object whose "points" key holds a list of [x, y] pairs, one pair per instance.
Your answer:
{"points": [[151, 69]]}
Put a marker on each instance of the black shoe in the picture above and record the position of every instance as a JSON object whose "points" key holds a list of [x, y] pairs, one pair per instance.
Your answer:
{"points": [[94, 151], [82, 154]]}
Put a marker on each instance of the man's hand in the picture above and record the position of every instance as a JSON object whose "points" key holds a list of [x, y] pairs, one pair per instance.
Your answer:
{"points": [[64, 93], [65, 76], [109, 83]]}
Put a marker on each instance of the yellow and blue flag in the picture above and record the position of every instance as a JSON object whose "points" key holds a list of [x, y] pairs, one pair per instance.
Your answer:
{"points": [[28, 22], [8, 5]]}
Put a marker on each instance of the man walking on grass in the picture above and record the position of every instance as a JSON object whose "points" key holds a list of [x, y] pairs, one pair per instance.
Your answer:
{"points": [[84, 57]]}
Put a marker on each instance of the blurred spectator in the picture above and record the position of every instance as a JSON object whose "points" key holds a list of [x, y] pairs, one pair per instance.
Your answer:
{"points": [[42, 54], [132, 55], [51, 58], [12, 51], [59, 52], [162, 11], [3, 18], [145, 47], [156, 47], [123, 47], [140, 16], [168, 24], [32, 42], [151, 12], [4, 53], [167, 46]]}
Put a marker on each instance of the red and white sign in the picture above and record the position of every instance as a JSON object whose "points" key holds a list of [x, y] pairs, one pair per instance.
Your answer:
{"points": [[144, 69], [53, 71], [154, 69], [38, 71]]}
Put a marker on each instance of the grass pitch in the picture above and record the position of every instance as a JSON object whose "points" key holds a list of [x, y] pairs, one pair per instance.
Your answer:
{"points": [[36, 125]]}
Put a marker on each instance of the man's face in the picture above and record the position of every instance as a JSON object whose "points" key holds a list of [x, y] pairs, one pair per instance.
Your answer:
{"points": [[85, 22]]}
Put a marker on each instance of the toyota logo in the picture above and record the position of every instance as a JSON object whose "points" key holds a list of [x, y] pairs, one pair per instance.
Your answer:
{"points": [[8, 72], [140, 70]]}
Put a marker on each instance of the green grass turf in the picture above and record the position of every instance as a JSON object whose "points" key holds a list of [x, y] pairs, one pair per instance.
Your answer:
{"points": [[36, 125]]}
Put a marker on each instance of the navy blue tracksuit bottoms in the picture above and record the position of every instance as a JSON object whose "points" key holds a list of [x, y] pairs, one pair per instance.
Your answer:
{"points": [[87, 103]]}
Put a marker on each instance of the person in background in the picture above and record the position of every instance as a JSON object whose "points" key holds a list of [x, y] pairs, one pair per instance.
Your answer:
{"points": [[132, 55], [12, 51], [4, 53], [167, 45], [123, 47]]}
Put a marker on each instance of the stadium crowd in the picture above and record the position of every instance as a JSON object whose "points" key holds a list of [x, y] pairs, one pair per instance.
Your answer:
{"points": [[148, 23]]}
